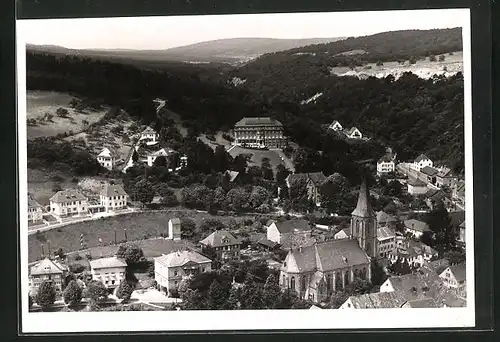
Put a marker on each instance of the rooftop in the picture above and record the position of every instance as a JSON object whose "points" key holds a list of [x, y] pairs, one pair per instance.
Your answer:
{"points": [[421, 157], [385, 233], [422, 303], [429, 171], [363, 208], [459, 271], [416, 182], [220, 238], [294, 225], [105, 153], [352, 130], [378, 300], [181, 258], [148, 130], [47, 266], [258, 121], [110, 262], [32, 202], [232, 175], [68, 195], [111, 190], [416, 225], [383, 217]]}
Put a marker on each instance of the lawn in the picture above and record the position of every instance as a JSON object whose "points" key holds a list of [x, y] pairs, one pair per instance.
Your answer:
{"points": [[139, 226], [41, 102]]}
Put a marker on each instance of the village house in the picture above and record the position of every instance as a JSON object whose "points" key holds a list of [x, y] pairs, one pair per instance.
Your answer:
{"points": [[336, 126], [386, 220], [343, 234], [438, 265], [106, 159], [35, 210], [151, 157], [354, 133], [420, 162], [149, 135], [444, 177], [109, 271], [386, 241], [379, 300], [433, 196], [231, 176], [416, 187], [226, 246], [387, 163], [259, 132], [429, 175], [454, 277], [416, 227], [174, 229], [413, 253], [69, 202], [113, 197], [47, 270], [313, 182], [172, 268], [278, 231]]}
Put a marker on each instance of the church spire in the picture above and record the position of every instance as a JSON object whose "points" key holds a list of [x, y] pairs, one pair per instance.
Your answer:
{"points": [[364, 208]]}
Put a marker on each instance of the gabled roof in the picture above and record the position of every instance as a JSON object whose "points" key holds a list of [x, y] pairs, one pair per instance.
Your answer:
{"points": [[385, 233], [416, 182], [68, 195], [176, 259], [290, 226], [439, 265], [421, 157], [363, 208], [383, 217], [258, 121], [47, 266], [429, 171], [334, 123], [32, 202], [107, 263], [232, 175], [435, 194], [379, 300], [175, 220], [416, 225], [105, 152], [459, 271], [148, 130], [386, 158], [268, 243], [422, 303], [346, 231], [352, 130], [220, 238], [315, 307], [445, 172], [161, 152], [329, 256], [110, 190]]}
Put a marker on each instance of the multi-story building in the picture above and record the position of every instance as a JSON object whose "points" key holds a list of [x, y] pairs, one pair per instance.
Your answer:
{"points": [[386, 241], [416, 227], [454, 277], [172, 268], [226, 246], [35, 210], [47, 270], [69, 202], [106, 159], [109, 271], [420, 162], [387, 163], [259, 133], [113, 197]]}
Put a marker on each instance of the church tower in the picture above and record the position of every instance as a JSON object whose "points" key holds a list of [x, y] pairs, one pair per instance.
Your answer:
{"points": [[364, 223]]}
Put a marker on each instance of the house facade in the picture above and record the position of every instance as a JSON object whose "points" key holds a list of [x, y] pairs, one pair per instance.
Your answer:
{"points": [[336, 126], [172, 268], [47, 270], [445, 177], [149, 134], [109, 271], [386, 220], [454, 277], [416, 227], [174, 229], [354, 133], [280, 231], [259, 132], [226, 246], [69, 202], [420, 162], [35, 210], [429, 175], [113, 197], [386, 241], [313, 182], [413, 253], [416, 187], [106, 159], [343, 234], [387, 163]]}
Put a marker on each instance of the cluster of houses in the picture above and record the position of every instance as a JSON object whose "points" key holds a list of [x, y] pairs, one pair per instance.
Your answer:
{"points": [[352, 133]]}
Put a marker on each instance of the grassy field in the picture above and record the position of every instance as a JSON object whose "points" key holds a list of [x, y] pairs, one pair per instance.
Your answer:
{"points": [[41, 184], [41, 102], [139, 226]]}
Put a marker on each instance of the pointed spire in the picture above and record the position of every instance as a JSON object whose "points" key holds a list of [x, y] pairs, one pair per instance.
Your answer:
{"points": [[364, 208]]}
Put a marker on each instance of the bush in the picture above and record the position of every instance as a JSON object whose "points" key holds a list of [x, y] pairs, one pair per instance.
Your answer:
{"points": [[210, 137], [76, 268], [88, 256], [78, 257]]}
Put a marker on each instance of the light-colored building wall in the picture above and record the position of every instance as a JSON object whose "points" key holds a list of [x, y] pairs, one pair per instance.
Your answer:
{"points": [[170, 277], [385, 167], [106, 162], [417, 190], [35, 214], [36, 280], [114, 202], [386, 246], [73, 208], [273, 233], [111, 277]]}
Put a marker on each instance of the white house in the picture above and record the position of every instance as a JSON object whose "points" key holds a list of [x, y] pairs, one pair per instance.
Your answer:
{"points": [[336, 126], [354, 133], [35, 211], [171, 269], [416, 227], [416, 187], [387, 163], [454, 277], [113, 197], [174, 229], [386, 238], [280, 231], [47, 270], [149, 134], [69, 202], [109, 271], [343, 234], [106, 159], [421, 161], [162, 152]]}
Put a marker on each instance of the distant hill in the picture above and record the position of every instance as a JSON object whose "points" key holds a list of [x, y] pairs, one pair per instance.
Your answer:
{"points": [[231, 51]]}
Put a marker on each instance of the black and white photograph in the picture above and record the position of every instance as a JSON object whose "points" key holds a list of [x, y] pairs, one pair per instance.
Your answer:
{"points": [[209, 172]]}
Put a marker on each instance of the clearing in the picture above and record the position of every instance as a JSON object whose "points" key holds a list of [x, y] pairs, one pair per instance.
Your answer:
{"points": [[40, 103]]}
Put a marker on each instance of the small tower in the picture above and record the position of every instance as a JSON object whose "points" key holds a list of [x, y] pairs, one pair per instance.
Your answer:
{"points": [[174, 229], [364, 223]]}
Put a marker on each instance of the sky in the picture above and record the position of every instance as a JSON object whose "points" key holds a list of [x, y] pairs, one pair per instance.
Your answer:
{"points": [[156, 33]]}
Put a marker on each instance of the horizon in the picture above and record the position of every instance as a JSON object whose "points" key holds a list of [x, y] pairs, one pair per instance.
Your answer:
{"points": [[138, 33]]}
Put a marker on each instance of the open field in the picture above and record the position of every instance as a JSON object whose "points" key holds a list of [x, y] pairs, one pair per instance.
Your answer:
{"points": [[41, 102], [422, 68], [41, 184], [139, 226]]}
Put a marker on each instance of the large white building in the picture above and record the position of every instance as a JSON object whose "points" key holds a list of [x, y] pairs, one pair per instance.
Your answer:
{"points": [[113, 197], [106, 159], [387, 163], [420, 162], [47, 270], [69, 202], [109, 271], [259, 132]]}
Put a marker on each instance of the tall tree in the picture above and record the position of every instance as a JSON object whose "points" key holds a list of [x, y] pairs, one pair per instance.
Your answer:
{"points": [[96, 292], [46, 294], [439, 222], [72, 293], [144, 191], [272, 292], [124, 290], [217, 296]]}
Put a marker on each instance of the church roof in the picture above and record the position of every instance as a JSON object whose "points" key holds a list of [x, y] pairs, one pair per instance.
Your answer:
{"points": [[363, 208]]}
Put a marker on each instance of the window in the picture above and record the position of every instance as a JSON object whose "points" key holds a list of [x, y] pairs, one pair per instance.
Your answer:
{"points": [[292, 283], [112, 282]]}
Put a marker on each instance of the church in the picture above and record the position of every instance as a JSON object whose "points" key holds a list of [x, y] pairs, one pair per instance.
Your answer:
{"points": [[315, 272]]}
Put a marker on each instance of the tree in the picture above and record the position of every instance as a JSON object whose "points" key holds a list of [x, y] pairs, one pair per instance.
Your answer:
{"points": [[441, 58], [439, 222], [72, 293], [46, 294], [60, 253], [251, 294], [455, 256], [131, 253], [338, 298], [233, 301], [432, 58], [62, 112], [160, 161], [258, 196], [237, 199], [124, 290], [412, 60], [193, 300], [95, 292], [272, 292], [30, 302], [217, 296], [188, 228], [378, 273], [144, 191], [281, 173], [135, 156]]}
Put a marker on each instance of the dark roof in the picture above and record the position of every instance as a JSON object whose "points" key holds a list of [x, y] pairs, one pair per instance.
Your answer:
{"points": [[110, 190], [417, 225], [220, 238], [459, 271], [378, 300], [148, 130], [258, 121], [330, 255], [422, 303], [268, 243], [439, 265], [363, 208], [383, 217], [430, 171], [457, 217], [68, 195], [445, 172], [32, 202], [290, 226], [386, 158], [420, 158], [416, 182], [292, 241], [435, 194]]}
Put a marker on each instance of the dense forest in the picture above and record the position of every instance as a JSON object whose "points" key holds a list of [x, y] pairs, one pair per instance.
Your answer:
{"points": [[410, 114]]}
